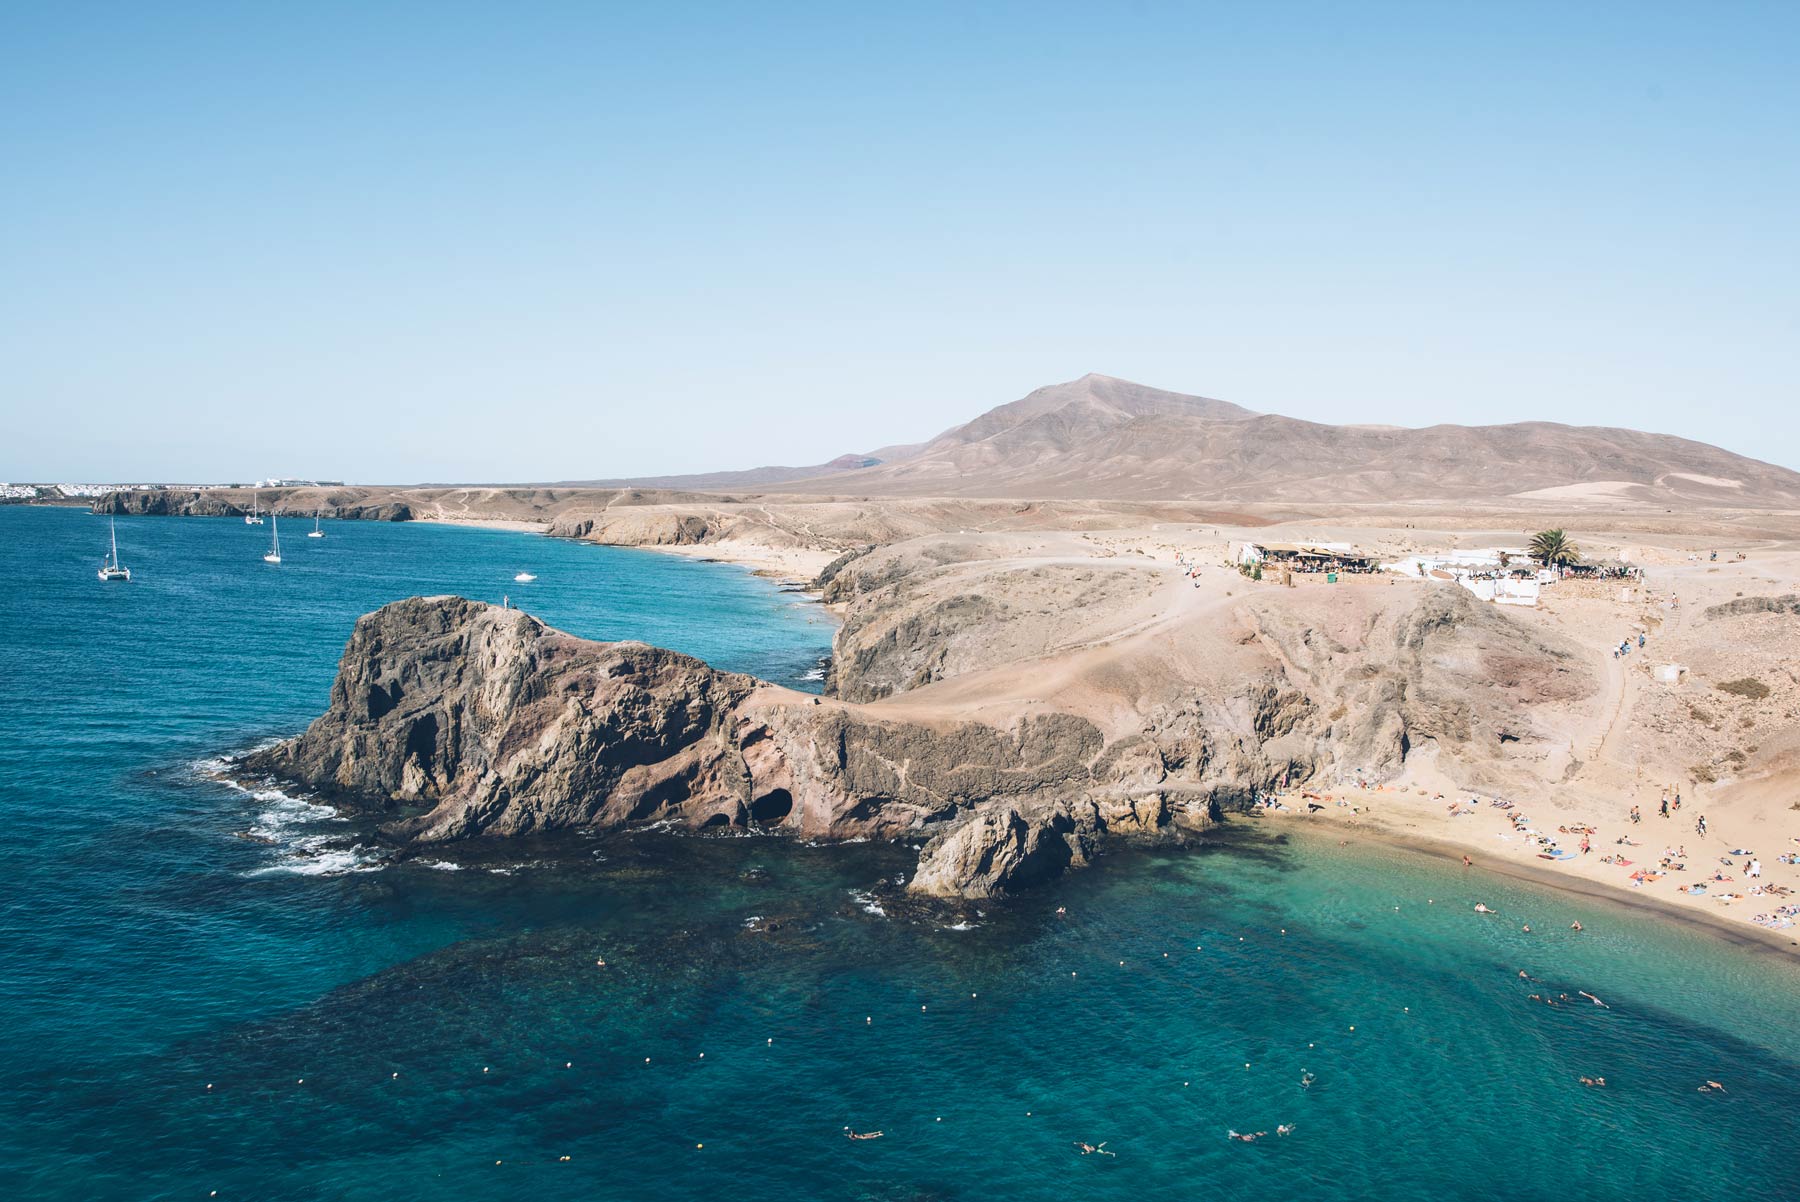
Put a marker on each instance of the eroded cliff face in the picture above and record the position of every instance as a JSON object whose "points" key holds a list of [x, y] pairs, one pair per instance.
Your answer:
{"points": [[194, 503], [453, 718], [457, 718]]}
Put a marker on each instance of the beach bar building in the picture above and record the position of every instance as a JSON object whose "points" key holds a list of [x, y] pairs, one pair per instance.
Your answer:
{"points": [[1307, 557]]}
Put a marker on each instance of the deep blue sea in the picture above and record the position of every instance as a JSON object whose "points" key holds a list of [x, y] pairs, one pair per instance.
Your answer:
{"points": [[208, 991]]}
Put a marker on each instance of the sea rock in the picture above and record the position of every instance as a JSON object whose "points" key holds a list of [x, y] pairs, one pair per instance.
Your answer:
{"points": [[453, 718], [1005, 848]]}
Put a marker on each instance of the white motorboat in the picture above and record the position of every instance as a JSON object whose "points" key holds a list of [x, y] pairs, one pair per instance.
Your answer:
{"points": [[111, 569], [524, 577], [274, 555]]}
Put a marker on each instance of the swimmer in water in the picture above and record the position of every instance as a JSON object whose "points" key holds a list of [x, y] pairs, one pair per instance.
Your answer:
{"points": [[1481, 908], [1306, 1080], [1575, 926], [1590, 997], [1098, 1149], [1592, 1082], [1247, 1138], [1284, 1129], [863, 1134]]}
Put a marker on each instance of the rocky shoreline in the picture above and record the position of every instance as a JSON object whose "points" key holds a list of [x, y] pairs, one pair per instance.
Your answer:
{"points": [[453, 719]]}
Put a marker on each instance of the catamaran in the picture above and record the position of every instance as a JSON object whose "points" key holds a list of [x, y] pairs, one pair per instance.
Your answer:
{"points": [[274, 555], [110, 569], [254, 517], [316, 532]]}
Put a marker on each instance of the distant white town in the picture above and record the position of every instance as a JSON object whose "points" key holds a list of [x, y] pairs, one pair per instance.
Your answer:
{"points": [[53, 492]]}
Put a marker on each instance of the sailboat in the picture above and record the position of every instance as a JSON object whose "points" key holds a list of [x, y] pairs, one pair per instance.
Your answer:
{"points": [[110, 568], [254, 517], [274, 555], [316, 532]]}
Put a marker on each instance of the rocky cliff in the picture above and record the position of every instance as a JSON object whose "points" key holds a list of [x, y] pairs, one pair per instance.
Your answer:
{"points": [[452, 719], [228, 503]]}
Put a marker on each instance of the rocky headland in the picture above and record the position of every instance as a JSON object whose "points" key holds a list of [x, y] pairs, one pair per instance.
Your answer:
{"points": [[453, 719]]}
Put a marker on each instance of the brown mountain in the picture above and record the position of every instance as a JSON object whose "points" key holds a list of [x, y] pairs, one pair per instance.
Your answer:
{"points": [[1100, 437]]}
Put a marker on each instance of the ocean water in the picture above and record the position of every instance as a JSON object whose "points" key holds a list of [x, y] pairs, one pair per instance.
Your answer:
{"points": [[206, 988]]}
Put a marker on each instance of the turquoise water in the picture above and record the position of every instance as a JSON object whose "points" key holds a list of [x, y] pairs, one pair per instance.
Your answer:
{"points": [[148, 950]]}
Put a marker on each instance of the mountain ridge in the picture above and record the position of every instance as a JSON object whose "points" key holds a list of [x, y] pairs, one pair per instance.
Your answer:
{"points": [[1101, 437]]}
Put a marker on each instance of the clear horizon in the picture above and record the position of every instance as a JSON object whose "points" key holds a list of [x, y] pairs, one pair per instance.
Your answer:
{"points": [[410, 243]]}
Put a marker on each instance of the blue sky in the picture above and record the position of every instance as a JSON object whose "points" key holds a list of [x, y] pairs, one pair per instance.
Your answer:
{"points": [[538, 241]]}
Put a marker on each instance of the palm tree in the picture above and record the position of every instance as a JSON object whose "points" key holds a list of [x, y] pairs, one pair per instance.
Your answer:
{"points": [[1552, 547]]}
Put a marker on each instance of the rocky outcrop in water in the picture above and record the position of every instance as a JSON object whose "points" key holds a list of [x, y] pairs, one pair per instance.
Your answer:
{"points": [[452, 718]]}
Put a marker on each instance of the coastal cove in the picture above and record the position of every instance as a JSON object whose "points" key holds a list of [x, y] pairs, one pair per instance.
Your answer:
{"points": [[441, 1025]]}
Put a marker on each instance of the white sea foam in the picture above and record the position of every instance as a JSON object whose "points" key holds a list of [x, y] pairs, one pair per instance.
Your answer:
{"points": [[289, 824], [441, 865], [961, 926], [815, 674], [867, 901], [321, 856]]}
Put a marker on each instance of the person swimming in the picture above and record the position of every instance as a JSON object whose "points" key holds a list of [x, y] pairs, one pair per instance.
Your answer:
{"points": [[1482, 908], [1098, 1149], [863, 1134], [1590, 997], [1284, 1129]]}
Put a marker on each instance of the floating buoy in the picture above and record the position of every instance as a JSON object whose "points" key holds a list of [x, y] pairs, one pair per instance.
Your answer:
{"points": [[209, 1085], [485, 1069], [395, 1077], [697, 1147], [571, 1063], [703, 1055]]}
